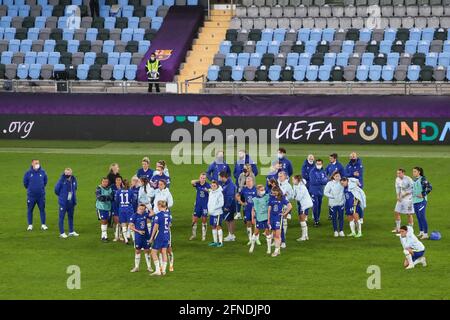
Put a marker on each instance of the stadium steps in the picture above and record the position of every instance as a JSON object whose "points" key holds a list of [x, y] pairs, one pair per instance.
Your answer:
{"points": [[203, 49]]}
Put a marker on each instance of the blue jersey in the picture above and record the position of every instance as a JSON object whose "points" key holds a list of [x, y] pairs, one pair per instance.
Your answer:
{"points": [[201, 199], [332, 167], [349, 201], [140, 222], [163, 219], [145, 174], [247, 196], [135, 191], [277, 206], [124, 199], [155, 179]]}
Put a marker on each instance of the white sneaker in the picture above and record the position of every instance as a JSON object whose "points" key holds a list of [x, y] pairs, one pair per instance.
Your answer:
{"points": [[150, 269], [424, 261], [30, 227], [134, 269], [63, 235], [395, 230], [249, 243], [203, 238], [283, 245], [289, 216], [275, 253], [268, 252], [336, 234], [361, 221], [411, 266], [191, 238], [341, 234], [420, 234], [116, 239], [424, 236], [252, 247], [229, 238], [73, 234], [156, 273], [238, 216], [44, 227]]}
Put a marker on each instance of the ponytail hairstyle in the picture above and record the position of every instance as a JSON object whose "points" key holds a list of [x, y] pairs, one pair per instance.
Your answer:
{"points": [[144, 181], [420, 170], [125, 184], [279, 195]]}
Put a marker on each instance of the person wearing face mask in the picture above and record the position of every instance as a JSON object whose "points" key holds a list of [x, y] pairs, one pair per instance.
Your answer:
{"points": [[35, 181], [259, 218], [284, 162], [355, 169], [229, 207], [159, 175], [308, 164], [66, 189], [153, 65], [217, 166], [243, 160], [317, 181]]}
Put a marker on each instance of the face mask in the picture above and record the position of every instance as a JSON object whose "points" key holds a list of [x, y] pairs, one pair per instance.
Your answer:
{"points": [[67, 176], [37, 166], [262, 193], [319, 167], [310, 161], [280, 156], [152, 59]]}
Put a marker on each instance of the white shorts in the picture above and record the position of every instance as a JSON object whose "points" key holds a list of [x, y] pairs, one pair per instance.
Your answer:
{"points": [[404, 207]]}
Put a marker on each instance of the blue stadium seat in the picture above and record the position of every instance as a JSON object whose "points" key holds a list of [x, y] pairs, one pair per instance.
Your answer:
{"points": [[230, 59], [411, 46], [303, 34], [261, 46], [14, 45], [342, 59], [6, 57], [42, 2], [49, 45], [431, 59], [267, 35], [58, 67], [33, 34], [13, 11], [82, 71], [110, 23], [89, 58], [274, 47], [423, 46], [192, 2], [125, 58], [428, 34], [385, 46], [39, 22], [144, 45], [243, 59], [279, 34], [446, 47], [390, 34], [415, 34], [19, 2], [329, 59], [299, 73], [30, 57], [362, 73], [138, 34], [130, 72], [255, 59], [237, 72], [375, 73], [2, 31], [305, 59], [312, 72], [9, 34], [133, 23], [47, 11], [347, 46], [310, 46], [22, 71], [48, 58], [68, 34], [127, 11], [315, 35], [213, 73], [292, 59], [108, 46], [62, 22], [113, 58], [393, 58], [77, 2], [156, 23], [324, 72], [274, 73], [150, 11], [365, 35], [367, 58], [25, 45], [157, 3], [72, 46], [119, 72], [169, 3], [91, 34], [104, 11], [328, 34], [225, 47], [35, 71], [5, 22], [123, 3], [444, 59], [24, 11], [387, 74], [413, 73], [448, 73]]}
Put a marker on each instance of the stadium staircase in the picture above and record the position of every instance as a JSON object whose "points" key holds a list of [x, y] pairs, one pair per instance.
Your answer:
{"points": [[203, 49]]}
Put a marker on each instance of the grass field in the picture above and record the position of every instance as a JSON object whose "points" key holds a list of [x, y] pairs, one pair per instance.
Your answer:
{"points": [[33, 264]]}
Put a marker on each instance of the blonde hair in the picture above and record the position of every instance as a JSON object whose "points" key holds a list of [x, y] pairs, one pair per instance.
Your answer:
{"points": [[162, 204], [146, 159], [112, 166]]}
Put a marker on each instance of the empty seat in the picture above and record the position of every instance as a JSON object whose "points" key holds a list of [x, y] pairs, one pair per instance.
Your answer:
{"points": [[387, 72], [46, 71], [413, 73], [106, 72], [50, 58], [261, 73], [34, 71], [324, 73], [213, 73], [299, 73], [125, 58], [349, 73], [82, 71], [22, 71], [439, 73], [312, 72]]}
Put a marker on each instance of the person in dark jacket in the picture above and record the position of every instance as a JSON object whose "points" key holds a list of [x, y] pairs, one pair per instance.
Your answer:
{"points": [[217, 166], [355, 169], [35, 181], [94, 5], [334, 166], [229, 207], [307, 166], [317, 181], [66, 189]]}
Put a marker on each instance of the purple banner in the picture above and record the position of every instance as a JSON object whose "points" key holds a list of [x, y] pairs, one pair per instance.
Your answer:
{"points": [[226, 105], [173, 40]]}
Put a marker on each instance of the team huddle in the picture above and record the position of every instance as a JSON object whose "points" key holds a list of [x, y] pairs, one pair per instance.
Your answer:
{"points": [[139, 210]]}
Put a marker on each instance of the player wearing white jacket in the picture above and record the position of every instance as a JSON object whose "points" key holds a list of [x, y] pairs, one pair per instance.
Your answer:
{"points": [[334, 191], [215, 211], [162, 193], [288, 192], [304, 203], [404, 205], [413, 249]]}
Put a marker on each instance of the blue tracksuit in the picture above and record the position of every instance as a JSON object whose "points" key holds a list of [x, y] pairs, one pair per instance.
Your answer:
{"points": [[35, 182], [215, 168], [229, 200], [337, 166], [306, 169], [145, 174], [155, 179], [66, 191], [355, 166], [239, 167], [286, 166], [317, 181]]}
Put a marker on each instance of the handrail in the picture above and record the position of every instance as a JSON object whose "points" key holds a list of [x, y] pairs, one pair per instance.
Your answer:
{"points": [[186, 82]]}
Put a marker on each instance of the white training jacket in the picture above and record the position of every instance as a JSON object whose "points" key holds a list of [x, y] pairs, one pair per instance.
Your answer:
{"points": [[301, 194], [358, 193], [404, 188], [334, 191], [286, 188], [165, 195], [215, 202], [146, 197], [411, 241]]}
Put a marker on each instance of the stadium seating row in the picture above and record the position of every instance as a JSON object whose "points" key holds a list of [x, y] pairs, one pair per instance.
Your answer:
{"points": [[329, 73], [341, 11], [260, 3], [135, 3]]}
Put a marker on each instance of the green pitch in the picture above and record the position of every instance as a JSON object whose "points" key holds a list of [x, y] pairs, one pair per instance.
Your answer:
{"points": [[33, 264]]}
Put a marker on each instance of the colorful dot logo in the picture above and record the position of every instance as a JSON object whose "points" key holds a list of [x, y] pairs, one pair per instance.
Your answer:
{"points": [[158, 121]]}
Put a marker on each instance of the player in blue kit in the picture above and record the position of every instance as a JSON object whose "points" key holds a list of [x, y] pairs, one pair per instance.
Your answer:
{"points": [[355, 202], [279, 208], [124, 202], [158, 175], [134, 187], [259, 218], [118, 185], [138, 223], [229, 206], [145, 171], [245, 198], [160, 237], [201, 205]]}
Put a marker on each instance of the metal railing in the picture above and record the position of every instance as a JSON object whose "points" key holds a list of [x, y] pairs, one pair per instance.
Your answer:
{"points": [[184, 87]]}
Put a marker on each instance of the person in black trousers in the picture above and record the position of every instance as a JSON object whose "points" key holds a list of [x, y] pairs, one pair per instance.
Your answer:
{"points": [[95, 8]]}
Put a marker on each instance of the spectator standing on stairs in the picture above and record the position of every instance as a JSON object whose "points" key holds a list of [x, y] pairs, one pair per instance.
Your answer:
{"points": [[153, 65], [95, 8]]}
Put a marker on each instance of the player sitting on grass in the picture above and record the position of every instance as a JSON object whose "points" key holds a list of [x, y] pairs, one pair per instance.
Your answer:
{"points": [[138, 223], [124, 202], [160, 237], [201, 205], [304, 203], [259, 218], [104, 196], [245, 199], [215, 211], [413, 249], [279, 208], [355, 202]]}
